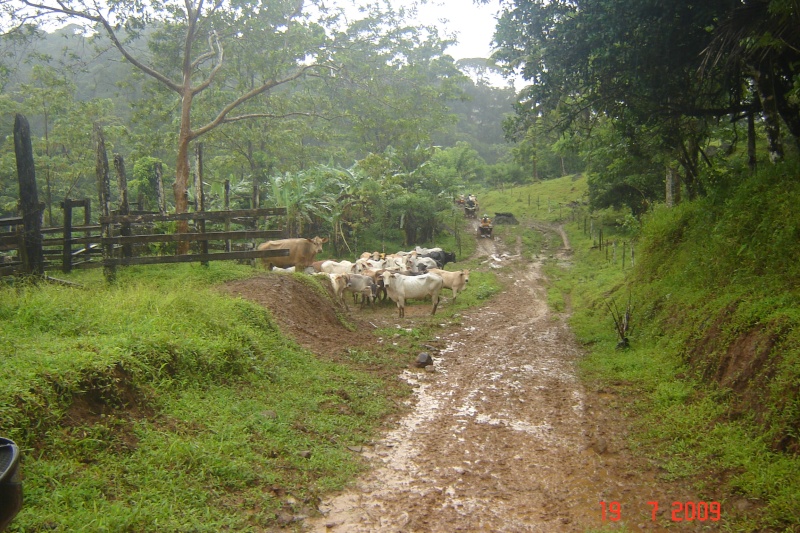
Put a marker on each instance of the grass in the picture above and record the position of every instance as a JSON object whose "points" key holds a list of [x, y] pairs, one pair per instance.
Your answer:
{"points": [[699, 294], [543, 201], [157, 404]]}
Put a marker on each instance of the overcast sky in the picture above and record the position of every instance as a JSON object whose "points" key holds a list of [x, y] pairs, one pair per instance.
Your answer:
{"points": [[473, 24]]}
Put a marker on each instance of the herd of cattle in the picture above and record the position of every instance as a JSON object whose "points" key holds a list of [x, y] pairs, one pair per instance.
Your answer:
{"points": [[402, 276]]}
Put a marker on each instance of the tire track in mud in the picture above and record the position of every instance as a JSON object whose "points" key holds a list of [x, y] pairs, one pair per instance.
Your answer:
{"points": [[501, 437]]}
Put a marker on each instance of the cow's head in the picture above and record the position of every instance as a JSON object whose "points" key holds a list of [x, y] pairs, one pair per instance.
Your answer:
{"points": [[317, 243], [449, 257], [465, 275]]}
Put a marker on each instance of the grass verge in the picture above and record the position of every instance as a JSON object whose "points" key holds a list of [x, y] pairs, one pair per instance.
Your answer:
{"points": [[158, 404], [710, 380]]}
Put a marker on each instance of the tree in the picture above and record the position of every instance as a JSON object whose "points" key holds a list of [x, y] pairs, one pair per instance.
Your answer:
{"points": [[278, 40], [637, 63], [618, 173], [398, 85], [480, 112], [758, 39], [64, 157]]}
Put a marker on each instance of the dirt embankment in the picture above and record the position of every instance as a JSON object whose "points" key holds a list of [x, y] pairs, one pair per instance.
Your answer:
{"points": [[502, 436]]}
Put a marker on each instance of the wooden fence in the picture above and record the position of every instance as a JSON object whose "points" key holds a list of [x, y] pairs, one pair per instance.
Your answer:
{"points": [[122, 235]]}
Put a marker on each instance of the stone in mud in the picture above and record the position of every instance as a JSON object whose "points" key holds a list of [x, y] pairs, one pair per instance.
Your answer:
{"points": [[424, 359]]}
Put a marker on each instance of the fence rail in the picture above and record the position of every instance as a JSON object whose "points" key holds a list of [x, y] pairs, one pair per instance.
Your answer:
{"points": [[113, 239]]}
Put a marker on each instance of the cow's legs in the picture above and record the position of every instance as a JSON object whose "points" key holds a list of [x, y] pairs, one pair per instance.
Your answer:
{"points": [[435, 304]]}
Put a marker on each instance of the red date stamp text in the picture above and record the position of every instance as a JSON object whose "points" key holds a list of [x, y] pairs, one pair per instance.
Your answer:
{"points": [[680, 511]]}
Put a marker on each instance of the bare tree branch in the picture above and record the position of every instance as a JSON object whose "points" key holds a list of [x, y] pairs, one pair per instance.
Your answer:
{"points": [[213, 40], [248, 116], [220, 118], [100, 19]]}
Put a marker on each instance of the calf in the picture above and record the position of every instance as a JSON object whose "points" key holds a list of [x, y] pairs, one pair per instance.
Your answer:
{"points": [[338, 283], [376, 276], [364, 286], [455, 281], [400, 288]]}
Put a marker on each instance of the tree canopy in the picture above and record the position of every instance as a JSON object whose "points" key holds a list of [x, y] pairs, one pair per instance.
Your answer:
{"points": [[283, 96], [669, 71]]}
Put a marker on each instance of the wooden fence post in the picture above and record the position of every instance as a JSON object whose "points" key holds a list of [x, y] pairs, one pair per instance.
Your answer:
{"points": [[66, 256], [227, 207], [623, 255], [124, 205], [32, 254], [162, 202], [200, 201], [104, 194]]}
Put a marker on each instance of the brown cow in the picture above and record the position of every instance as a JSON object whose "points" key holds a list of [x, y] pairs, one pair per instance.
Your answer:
{"points": [[455, 281], [301, 252]]}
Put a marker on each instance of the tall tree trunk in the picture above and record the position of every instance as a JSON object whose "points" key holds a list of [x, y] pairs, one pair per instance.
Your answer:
{"points": [[772, 126], [182, 166], [689, 161], [181, 189], [670, 182], [410, 230], [751, 142]]}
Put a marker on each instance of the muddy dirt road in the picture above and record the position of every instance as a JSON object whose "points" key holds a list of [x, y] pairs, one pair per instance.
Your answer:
{"points": [[502, 435]]}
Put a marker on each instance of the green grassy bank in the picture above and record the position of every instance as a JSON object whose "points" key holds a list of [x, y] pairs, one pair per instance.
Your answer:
{"points": [[713, 372], [159, 404]]}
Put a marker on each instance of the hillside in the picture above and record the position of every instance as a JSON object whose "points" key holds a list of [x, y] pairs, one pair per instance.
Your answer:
{"points": [[712, 372]]}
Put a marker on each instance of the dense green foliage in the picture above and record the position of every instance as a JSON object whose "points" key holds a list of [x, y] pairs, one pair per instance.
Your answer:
{"points": [[391, 94], [658, 85]]}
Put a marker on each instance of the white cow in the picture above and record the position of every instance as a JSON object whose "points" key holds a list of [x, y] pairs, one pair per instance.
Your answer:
{"points": [[362, 285], [423, 251], [401, 288], [364, 264], [421, 264], [395, 261], [455, 281], [339, 283], [355, 284], [341, 267]]}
